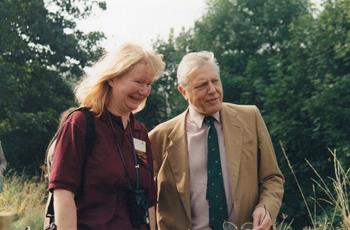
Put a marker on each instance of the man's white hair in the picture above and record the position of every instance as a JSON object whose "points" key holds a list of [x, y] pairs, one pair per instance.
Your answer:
{"points": [[191, 62]]}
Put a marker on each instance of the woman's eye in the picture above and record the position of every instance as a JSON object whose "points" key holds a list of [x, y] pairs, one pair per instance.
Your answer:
{"points": [[143, 84]]}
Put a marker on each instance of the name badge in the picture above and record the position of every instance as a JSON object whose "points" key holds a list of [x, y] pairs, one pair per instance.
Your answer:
{"points": [[140, 145]]}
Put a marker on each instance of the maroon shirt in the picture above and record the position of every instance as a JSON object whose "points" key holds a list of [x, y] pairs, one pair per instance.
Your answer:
{"points": [[103, 202]]}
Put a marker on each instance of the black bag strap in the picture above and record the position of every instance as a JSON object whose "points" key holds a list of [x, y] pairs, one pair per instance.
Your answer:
{"points": [[89, 143]]}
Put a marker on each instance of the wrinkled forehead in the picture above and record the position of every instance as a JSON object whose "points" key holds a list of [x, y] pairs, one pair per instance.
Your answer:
{"points": [[204, 72]]}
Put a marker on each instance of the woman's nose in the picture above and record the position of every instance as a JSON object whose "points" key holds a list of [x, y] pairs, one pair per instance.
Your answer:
{"points": [[145, 90]]}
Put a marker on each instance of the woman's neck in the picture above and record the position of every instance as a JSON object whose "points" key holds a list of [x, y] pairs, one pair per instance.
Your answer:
{"points": [[124, 116]]}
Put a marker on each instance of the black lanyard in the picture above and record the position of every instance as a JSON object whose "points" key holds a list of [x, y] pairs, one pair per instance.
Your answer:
{"points": [[121, 154]]}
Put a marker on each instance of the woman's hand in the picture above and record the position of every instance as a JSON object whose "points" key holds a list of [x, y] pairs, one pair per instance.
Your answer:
{"points": [[152, 218]]}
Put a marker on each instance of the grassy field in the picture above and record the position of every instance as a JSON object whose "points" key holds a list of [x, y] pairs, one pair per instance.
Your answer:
{"points": [[336, 196], [25, 199]]}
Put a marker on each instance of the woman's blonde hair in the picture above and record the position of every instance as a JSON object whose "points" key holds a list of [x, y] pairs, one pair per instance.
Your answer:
{"points": [[94, 92]]}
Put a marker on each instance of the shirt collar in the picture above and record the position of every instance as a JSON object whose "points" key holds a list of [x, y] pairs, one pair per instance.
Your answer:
{"points": [[198, 118], [118, 120]]}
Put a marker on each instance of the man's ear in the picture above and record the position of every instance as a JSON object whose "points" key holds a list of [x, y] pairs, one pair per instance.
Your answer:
{"points": [[182, 90]]}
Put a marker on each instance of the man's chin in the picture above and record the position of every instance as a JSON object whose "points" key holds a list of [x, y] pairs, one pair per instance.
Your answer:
{"points": [[211, 111], [214, 106]]}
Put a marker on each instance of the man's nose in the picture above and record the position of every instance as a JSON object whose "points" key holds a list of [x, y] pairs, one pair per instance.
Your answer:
{"points": [[211, 88]]}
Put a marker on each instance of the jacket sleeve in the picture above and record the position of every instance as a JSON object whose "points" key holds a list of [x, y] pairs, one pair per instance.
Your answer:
{"points": [[158, 142], [271, 180]]}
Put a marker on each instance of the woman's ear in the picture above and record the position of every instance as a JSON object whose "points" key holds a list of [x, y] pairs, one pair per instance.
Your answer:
{"points": [[111, 82]]}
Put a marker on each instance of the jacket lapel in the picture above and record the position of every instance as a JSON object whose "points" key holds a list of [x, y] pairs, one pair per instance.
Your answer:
{"points": [[233, 143], [178, 159], [178, 153]]}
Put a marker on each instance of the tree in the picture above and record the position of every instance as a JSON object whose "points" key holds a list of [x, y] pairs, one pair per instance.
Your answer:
{"points": [[42, 53], [330, 61], [308, 96]]}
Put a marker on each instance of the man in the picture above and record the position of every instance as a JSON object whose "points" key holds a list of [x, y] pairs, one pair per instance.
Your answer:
{"points": [[3, 164], [195, 191]]}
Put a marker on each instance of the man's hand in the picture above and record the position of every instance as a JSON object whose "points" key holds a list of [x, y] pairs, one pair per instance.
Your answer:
{"points": [[261, 219]]}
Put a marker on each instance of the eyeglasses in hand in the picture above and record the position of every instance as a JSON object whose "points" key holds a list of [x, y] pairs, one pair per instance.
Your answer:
{"points": [[231, 226], [227, 225]]}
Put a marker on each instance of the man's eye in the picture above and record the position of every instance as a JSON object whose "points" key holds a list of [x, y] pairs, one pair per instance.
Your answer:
{"points": [[200, 86]]}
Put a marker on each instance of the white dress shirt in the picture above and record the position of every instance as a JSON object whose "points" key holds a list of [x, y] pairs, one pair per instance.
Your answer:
{"points": [[197, 134]]}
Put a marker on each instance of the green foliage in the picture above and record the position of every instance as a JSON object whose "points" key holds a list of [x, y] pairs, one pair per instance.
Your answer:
{"points": [[308, 96], [243, 37], [42, 51]]}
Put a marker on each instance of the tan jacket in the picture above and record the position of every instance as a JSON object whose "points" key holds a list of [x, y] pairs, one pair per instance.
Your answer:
{"points": [[255, 177]]}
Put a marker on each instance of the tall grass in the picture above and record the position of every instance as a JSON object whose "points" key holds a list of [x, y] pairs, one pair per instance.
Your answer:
{"points": [[25, 199], [336, 195], [284, 224]]}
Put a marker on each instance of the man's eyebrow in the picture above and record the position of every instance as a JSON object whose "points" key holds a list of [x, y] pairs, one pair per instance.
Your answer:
{"points": [[202, 81]]}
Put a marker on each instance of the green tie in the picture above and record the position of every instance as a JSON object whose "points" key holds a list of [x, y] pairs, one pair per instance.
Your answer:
{"points": [[215, 186]]}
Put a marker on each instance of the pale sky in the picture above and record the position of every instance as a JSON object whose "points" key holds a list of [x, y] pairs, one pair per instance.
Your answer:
{"points": [[142, 21]]}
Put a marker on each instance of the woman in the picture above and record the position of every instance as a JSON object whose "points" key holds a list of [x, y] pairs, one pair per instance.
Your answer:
{"points": [[118, 174]]}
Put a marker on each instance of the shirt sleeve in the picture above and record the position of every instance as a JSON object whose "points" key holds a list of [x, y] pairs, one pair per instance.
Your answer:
{"points": [[68, 154]]}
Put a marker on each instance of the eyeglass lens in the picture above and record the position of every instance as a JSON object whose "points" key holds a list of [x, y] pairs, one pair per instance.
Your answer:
{"points": [[247, 226], [231, 226]]}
